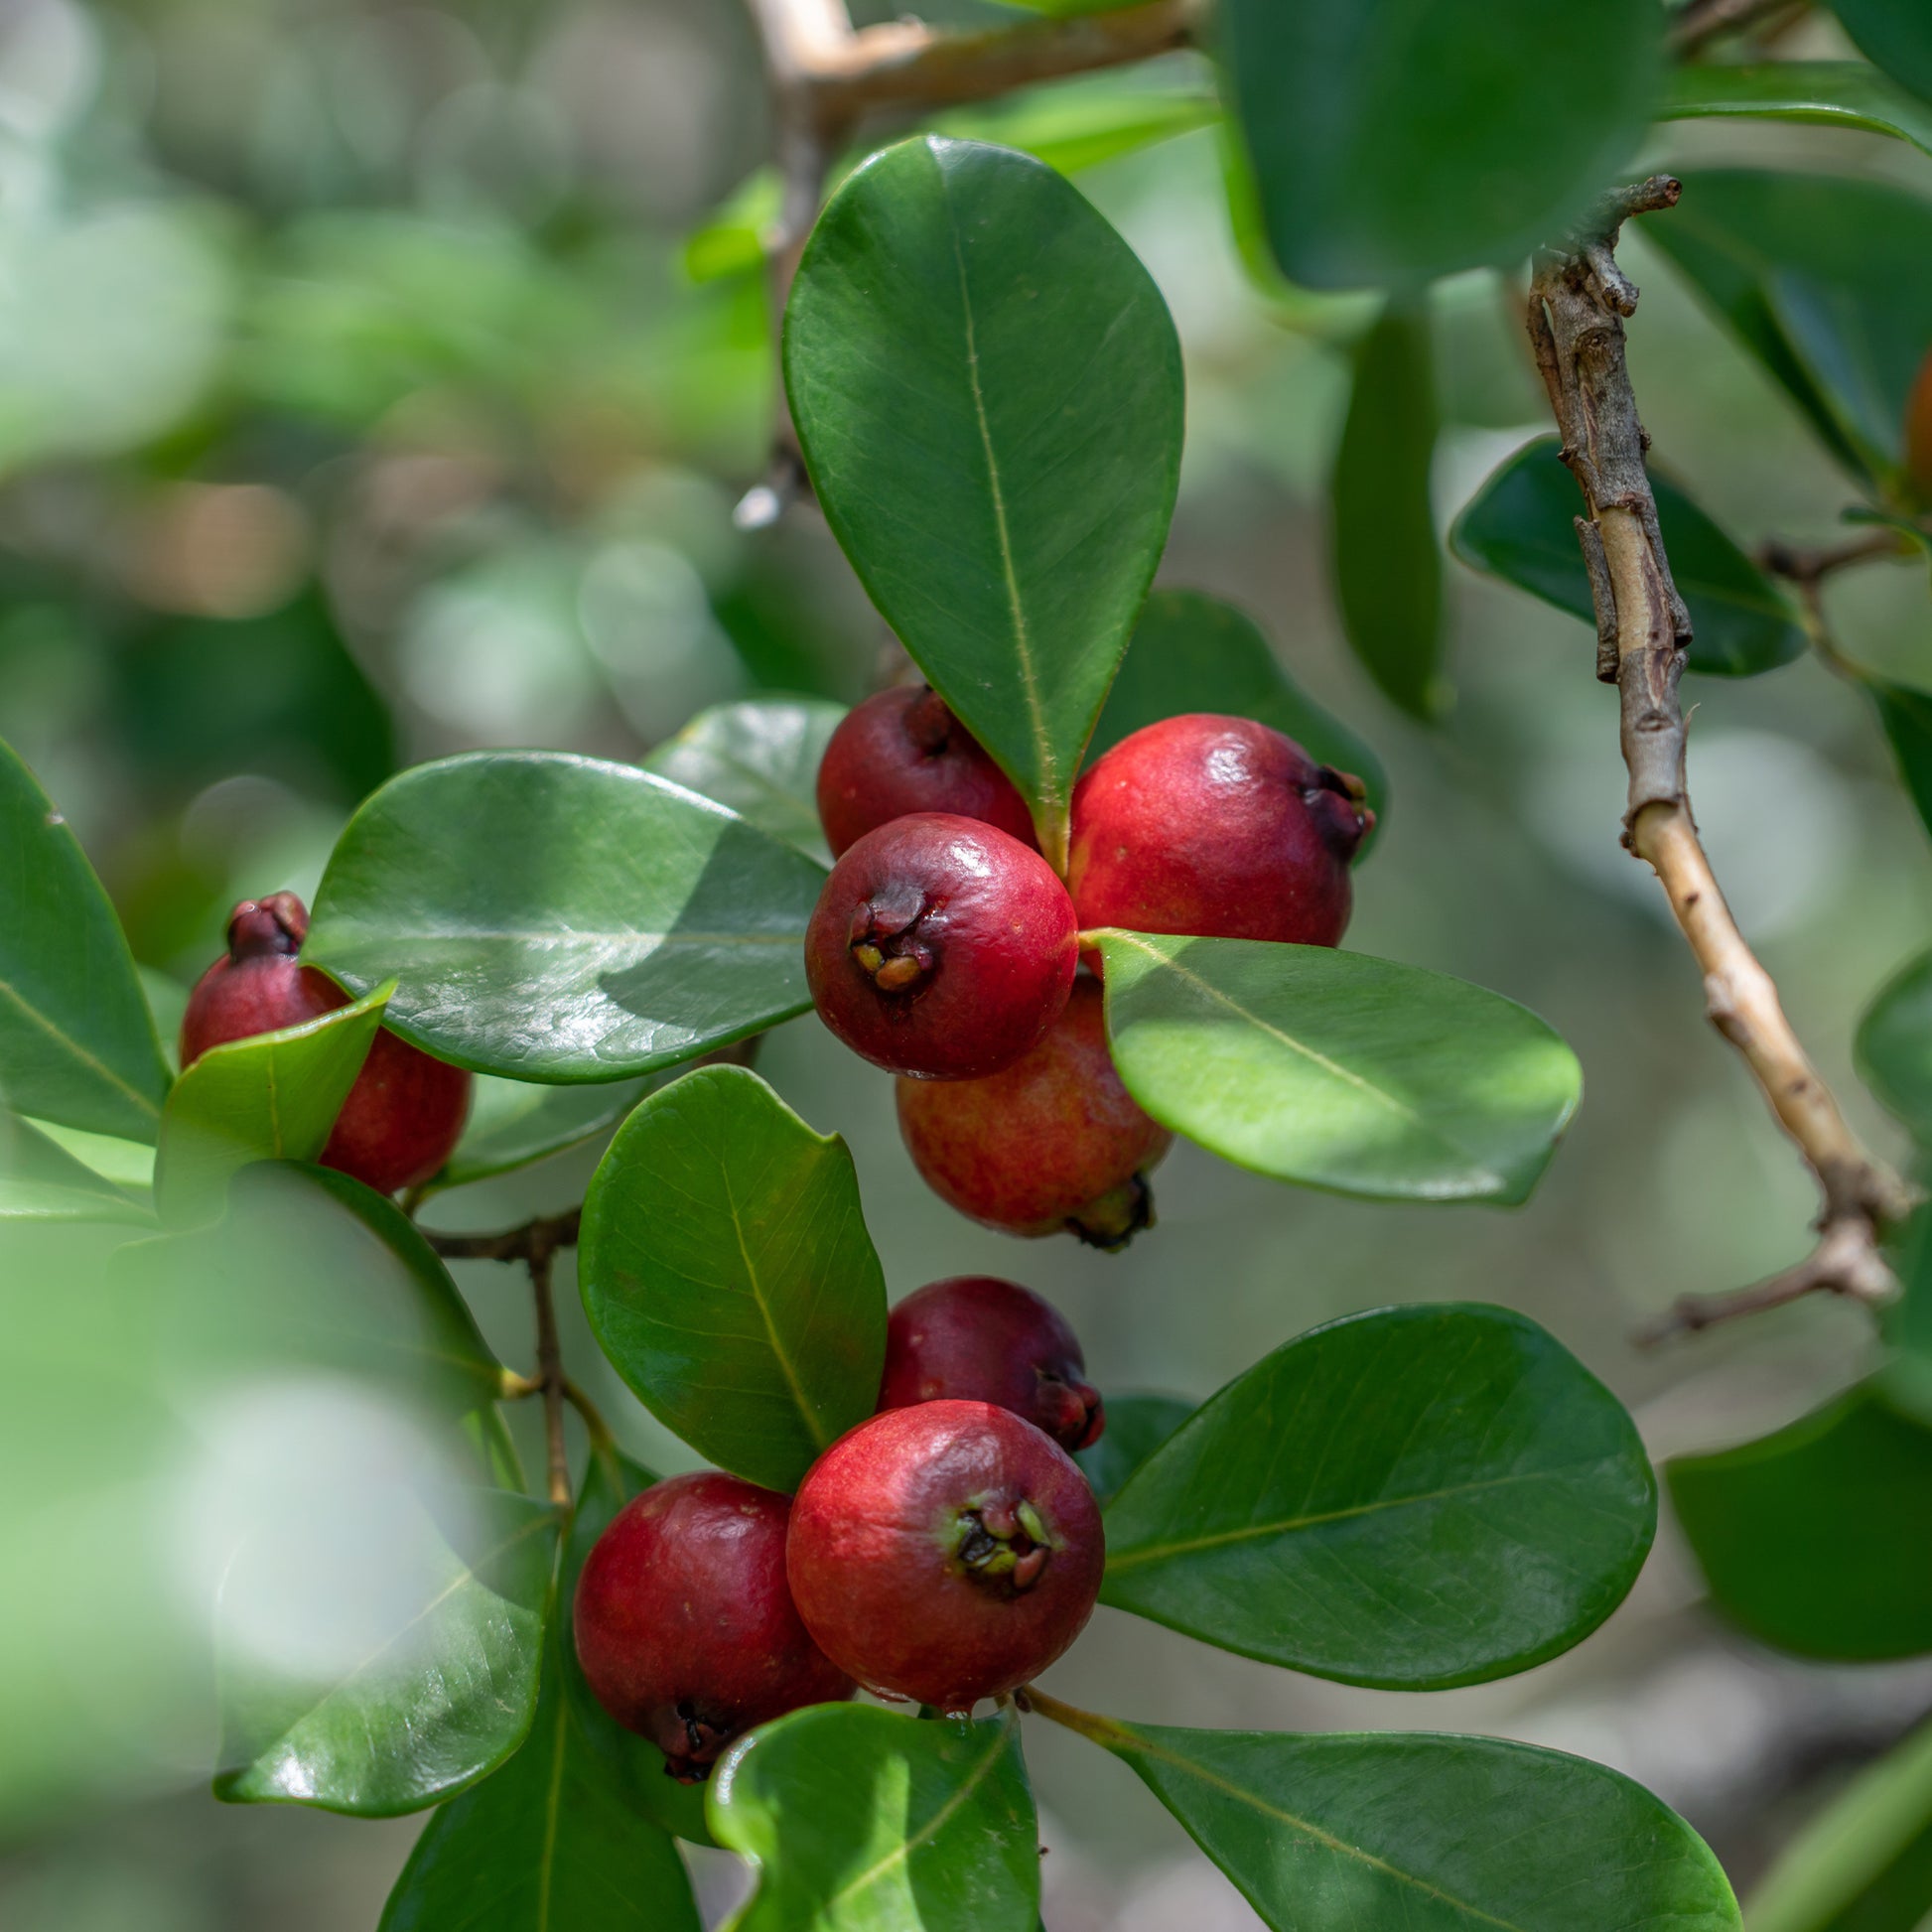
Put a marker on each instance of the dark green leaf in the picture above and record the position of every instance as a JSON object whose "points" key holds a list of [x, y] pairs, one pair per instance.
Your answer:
{"points": [[550, 917], [1137, 1425], [863, 1821], [728, 1275], [1840, 94], [1905, 1378], [1521, 526], [1338, 1070], [269, 1097], [1896, 35], [1802, 1534], [441, 1697], [760, 758], [513, 1123], [1193, 652], [1865, 1863], [41, 1181], [1388, 569], [1394, 142], [76, 1042], [1894, 1043], [1906, 714], [1413, 1498], [1428, 1831], [988, 388]]}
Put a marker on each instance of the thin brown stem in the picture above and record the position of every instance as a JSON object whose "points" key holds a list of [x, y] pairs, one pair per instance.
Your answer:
{"points": [[1804, 565], [1578, 301], [1096, 1728], [1845, 1262], [545, 1235], [550, 1376], [1700, 22]]}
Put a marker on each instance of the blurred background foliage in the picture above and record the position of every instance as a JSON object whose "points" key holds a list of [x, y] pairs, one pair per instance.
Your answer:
{"points": [[364, 395]]}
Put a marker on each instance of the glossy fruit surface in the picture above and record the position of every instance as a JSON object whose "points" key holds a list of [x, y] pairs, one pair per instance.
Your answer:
{"points": [[945, 1553], [940, 947], [975, 1337], [684, 1621], [1218, 826], [1054, 1142], [903, 752], [403, 1116]]}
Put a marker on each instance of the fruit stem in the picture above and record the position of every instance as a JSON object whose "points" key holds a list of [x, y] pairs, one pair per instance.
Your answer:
{"points": [[1096, 1730], [550, 1374]]}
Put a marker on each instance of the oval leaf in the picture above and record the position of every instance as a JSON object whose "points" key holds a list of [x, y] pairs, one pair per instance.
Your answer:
{"points": [[1137, 1425], [1840, 94], [1412, 1498], [513, 1123], [1194, 652], [269, 1097], [1428, 1831], [1800, 1533], [1896, 35], [728, 1277], [760, 758], [1338, 1070], [987, 385], [550, 917], [863, 1821], [1393, 142], [1906, 714], [1894, 1044], [1521, 526], [1388, 569], [41, 1181], [76, 1042]]}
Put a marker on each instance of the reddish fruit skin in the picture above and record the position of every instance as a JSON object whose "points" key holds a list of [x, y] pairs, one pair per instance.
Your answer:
{"points": [[912, 1567], [405, 1112], [1918, 430], [903, 752], [1215, 825], [941, 948], [1053, 1143], [685, 1626], [977, 1339]]}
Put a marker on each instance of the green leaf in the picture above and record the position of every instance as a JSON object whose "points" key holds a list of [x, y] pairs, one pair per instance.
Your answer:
{"points": [[126, 1164], [1840, 94], [1194, 652], [1137, 1425], [41, 1181], [1338, 1070], [513, 1123], [1428, 1831], [1906, 714], [1905, 1378], [269, 1097], [1800, 1534], [1079, 124], [988, 388], [1865, 1863], [860, 1820], [557, 918], [1388, 569], [1828, 282], [760, 758], [436, 1699], [76, 1042], [1894, 1043], [728, 1277], [1412, 1498], [1896, 35], [1394, 141], [555, 1841], [1521, 526]]}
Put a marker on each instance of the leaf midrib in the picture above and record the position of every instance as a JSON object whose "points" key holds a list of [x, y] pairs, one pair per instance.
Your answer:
{"points": [[79, 1053]]}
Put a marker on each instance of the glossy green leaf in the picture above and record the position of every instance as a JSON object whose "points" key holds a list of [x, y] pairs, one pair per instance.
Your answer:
{"points": [[41, 1181], [860, 1820], [269, 1097], [1865, 1863], [76, 1042], [1388, 567], [1194, 652], [439, 1698], [513, 1123], [126, 1164], [1137, 1425], [760, 758], [1839, 94], [1896, 35], [988, 388], [1801, 1534], [1394, 141], [1338, 1070], [1828, 281], [1414, 1498], [1428, 1831], [1079, 124], [551, 917], [728, 1277], [555, 1841], [1521, 526], [1906, 714], [1894, 1044]]}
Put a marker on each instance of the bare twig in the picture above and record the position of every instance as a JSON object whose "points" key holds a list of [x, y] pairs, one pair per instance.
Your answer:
{"points": [[1579, 300], [1702, 21], [550, 1375], [1845, 1262], [542, 1236]]}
